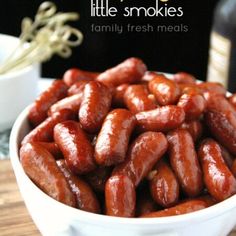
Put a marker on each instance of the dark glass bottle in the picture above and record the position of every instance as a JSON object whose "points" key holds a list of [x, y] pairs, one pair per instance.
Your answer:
{"points": [[222, 55]]}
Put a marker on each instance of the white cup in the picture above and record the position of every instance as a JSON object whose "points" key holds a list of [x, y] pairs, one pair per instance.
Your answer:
{"points": [[17, 89]]}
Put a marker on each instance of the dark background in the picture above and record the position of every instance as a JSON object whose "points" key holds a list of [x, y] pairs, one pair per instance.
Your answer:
{"points": [[169, 52]]}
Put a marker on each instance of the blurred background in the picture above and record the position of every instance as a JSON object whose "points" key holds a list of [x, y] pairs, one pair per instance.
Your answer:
{"points": [[163, 51]]}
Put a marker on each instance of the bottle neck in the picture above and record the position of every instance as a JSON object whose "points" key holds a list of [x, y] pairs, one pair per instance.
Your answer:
{"points": [[225, 19]]}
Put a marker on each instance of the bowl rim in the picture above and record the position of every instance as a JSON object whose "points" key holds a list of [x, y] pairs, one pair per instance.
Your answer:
{"points": [[197, 216]]}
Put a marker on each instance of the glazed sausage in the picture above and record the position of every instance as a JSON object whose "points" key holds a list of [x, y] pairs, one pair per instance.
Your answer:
{"points": [[233, 168], [53, 149], [73, 103], [120, 196], [74, 75], [148, 76], [153, 99], [228, 158], [77, 88], [166, 91], [129, 71], [95, 105], [85, 198], [212, 87], [143, 154], [161, 119], [164, 186], [182, 208], [184, 162], [184, 78], [97, 179], [189, 89], [222, 128], [220, 182], [208, 199], [193, 104], [113, 139], [75, 146], [42, 169], [137, 100], [194, 127], [118, 97], [219, 103], [44, 131], [38, 111]]}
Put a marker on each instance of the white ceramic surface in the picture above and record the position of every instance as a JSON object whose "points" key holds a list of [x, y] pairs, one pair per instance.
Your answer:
{"points": [[56, 219], [17, 89]]}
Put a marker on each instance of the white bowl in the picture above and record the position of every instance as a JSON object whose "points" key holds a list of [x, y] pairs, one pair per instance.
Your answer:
{"points": [[56, 219], [17, 89]]}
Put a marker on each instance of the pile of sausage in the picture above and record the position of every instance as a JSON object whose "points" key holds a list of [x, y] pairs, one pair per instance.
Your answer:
{"points": [[128, 142]]}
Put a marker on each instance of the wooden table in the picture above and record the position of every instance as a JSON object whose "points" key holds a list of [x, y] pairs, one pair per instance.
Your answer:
{"points": [[14, 217]]}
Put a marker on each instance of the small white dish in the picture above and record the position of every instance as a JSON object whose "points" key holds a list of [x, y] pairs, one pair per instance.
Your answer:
{"points": [[43, 84], [17, 89]]}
